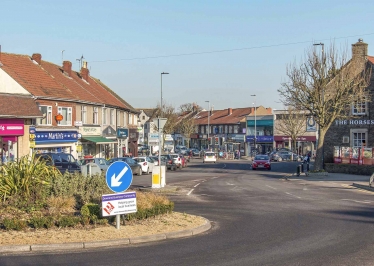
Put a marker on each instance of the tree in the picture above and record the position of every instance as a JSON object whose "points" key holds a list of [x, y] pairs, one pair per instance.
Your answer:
{"points": [[326, 85], [292, 124], [186, 127]]}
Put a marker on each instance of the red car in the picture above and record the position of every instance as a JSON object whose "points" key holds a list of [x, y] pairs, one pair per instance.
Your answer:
{"points": [[261, 162], [183, 160]]}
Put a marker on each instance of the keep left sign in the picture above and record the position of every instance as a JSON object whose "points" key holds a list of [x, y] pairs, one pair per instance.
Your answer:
{"points": [[119, 176]]}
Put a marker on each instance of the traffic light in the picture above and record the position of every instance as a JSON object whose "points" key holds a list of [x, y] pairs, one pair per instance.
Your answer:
{"points": [[217, 140]]}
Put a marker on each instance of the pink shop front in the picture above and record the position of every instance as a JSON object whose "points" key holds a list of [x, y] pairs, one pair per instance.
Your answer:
{"points": [[10, 131]]}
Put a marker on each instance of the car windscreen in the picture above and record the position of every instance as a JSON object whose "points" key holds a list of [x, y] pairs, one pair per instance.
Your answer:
{"points": [[261, 158], [174, 156], [139, 160], [209, 154]]}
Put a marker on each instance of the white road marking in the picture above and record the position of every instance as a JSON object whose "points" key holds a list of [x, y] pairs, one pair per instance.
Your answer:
{"points": [[271, 187], [215, 177], [196, 185], [229, 184], [292, 195], [358, 201], [189, 192]]}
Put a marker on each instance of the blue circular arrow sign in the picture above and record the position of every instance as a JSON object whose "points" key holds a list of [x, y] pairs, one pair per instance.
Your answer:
{"points": [[119, 176]]}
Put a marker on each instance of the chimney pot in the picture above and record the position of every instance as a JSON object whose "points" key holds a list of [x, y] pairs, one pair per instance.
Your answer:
{"points": [[84, 71], [37, 58], [229, 111], [66, 66]]}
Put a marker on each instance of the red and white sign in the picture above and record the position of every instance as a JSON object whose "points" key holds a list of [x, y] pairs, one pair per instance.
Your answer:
{"points": [[120, 203]]}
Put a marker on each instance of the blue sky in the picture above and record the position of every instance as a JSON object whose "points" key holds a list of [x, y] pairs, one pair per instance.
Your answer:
{"points": [[127, 44]]}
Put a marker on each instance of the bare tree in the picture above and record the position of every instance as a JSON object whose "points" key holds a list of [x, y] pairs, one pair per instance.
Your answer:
{"points": [[186, 126], [326, 85], [292, 124]]}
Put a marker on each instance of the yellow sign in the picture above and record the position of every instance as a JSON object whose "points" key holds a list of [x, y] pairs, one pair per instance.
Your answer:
{"points": [[155, 179], [32, 136], [79, 148], [32, 144]]}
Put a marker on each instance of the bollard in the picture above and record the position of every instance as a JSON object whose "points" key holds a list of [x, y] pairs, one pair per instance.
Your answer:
{"points": [[307, 167], [302, 168], [298, 168]]}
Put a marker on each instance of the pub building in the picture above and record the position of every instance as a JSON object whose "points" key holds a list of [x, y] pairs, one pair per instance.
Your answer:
{"points": [[351, 140]]}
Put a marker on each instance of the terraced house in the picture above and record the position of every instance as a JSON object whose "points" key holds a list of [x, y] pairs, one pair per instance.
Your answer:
{"points": [[57, 109]]}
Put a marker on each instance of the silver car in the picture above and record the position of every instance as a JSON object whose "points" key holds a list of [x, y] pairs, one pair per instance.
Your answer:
{"points": [[101, 162]]}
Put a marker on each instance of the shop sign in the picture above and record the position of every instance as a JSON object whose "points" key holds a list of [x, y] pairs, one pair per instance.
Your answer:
{"points": [[122, 133], [251, 123], [168, 137], [153, 136], [355, 122], [235, 137], [11, 127], [32, 144], [133, 135], [90, 131], [311, 125], [259, 138], [55, 136], [109, 132], [301, 138]]}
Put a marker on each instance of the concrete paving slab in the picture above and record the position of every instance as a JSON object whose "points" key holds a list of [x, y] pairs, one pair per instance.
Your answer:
{"points": [[150, 238], [107, 243], [63, 246]]}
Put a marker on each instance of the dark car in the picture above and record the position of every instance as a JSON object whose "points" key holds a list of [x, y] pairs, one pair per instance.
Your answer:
{"points": [[135, 167], [170, 162], [64, 162]]}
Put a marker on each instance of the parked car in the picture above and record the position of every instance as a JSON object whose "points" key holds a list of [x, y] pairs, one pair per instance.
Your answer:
{"points": [[146, 163], [173, 162], [64, 162], [261, 162], [196, 152], [155, 160], [101, 162], [274, 156], [135, 167], [209, 157]]}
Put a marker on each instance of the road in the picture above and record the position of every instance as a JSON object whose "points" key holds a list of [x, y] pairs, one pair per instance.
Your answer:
{"points": [[258, 218]]}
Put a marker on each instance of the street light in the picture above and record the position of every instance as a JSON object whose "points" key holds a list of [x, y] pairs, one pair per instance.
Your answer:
{"points": [[208, 120], [159, 132], [323, 102], [163, 73], [254, 95]]}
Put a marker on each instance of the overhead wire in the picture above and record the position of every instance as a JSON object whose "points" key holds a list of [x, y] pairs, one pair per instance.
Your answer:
{"points": [[226, 50]]}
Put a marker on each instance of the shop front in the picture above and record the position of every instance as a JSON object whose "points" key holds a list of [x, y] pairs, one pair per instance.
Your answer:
{"points": [[263, 144], [93, 144], [304, 144], [194, 141], [10, 131], [54, 140], [235, 142]]}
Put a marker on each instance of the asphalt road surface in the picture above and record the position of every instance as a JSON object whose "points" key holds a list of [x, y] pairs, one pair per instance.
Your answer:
{"points": [[258, 218]]}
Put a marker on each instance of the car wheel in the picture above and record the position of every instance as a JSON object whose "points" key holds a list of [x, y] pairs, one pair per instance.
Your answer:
{"points": [[140, 171], [253, 168], [269, 168]]}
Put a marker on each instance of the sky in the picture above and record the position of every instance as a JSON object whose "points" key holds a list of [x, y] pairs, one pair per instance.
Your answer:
{"points": [[217, 51]]}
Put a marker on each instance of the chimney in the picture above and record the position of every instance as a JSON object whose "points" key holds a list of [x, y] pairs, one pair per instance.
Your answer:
{"points": [[66, 66], [229, 111], [84, 71], [37, 58], [359, 50]]}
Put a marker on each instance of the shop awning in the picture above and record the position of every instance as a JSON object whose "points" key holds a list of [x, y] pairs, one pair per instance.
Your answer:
{"points": [[99, 140]]}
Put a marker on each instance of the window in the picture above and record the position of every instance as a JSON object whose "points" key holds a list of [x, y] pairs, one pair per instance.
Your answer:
{"points": [[125, 120], [196, 129], [226, 130], [112, 116], [105, 121], [143, 117], [230, 129], [359, 137], [220, 129], [66, 114], [47, 116], [96, 115], [145, 126], [206, 129], [359, 107], [84, 114], [236, 129]]}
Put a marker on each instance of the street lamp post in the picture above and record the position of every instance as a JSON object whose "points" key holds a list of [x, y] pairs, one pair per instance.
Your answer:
{"points": [[159, 132], [208, 121], [323, 102], [255, 135]]}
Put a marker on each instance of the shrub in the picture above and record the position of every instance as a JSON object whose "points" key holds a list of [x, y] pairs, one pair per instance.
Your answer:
{"points": [[26, 177], [60, 205], [68, 221], [90, 209], [42, 222], [14, 224]]}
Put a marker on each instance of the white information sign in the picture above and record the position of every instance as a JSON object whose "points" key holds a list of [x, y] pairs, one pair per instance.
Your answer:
{"points": [[120, 203]]}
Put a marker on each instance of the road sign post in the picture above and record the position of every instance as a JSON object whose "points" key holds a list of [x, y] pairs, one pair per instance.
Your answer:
{"points": [[118, 179]]}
